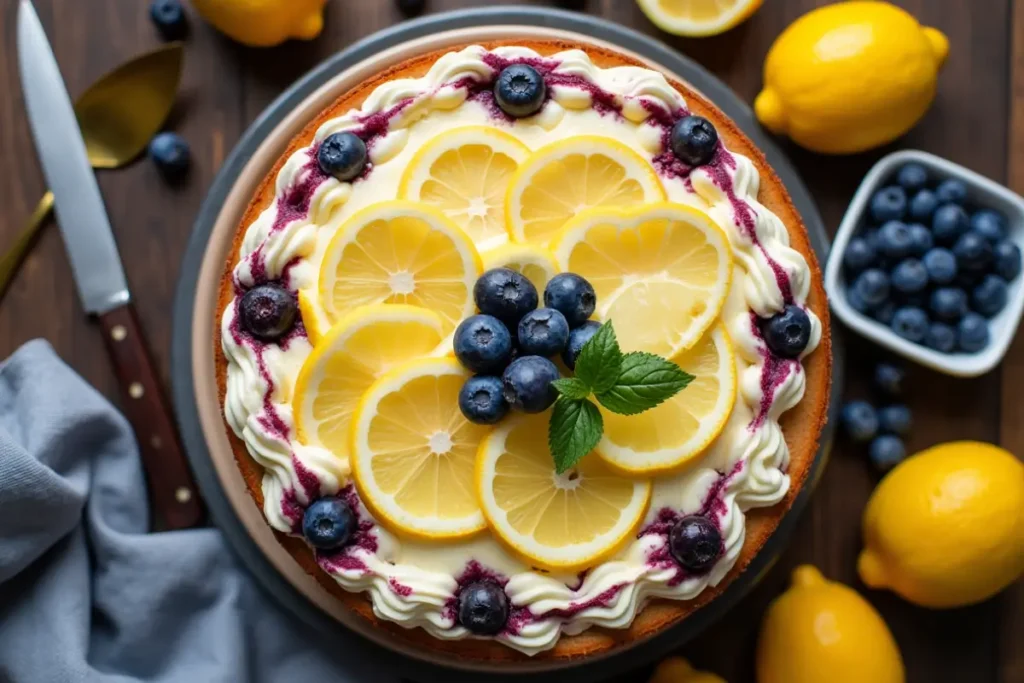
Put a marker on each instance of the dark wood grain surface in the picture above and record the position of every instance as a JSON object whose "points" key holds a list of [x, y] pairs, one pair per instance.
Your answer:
{"points": [[977, 120]]}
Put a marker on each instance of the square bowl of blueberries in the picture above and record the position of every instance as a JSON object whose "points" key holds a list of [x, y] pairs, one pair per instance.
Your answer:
{"points": [[927, 263]]}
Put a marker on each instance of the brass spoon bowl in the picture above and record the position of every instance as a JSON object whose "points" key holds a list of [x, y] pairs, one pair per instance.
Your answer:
{"points": [[118, 114]]}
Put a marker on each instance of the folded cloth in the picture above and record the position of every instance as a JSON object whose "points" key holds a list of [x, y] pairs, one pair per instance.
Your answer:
{"points": [[86, 594]]}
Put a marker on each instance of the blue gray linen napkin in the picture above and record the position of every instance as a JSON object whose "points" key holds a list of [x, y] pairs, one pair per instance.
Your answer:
{"points": [[86, 594]]}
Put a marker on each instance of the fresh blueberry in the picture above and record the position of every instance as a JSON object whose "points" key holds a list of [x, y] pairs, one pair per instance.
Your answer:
{"points": [[577, 338], [695, 543], [543, 332], [912, 177], [857, 303], [972, 333], [1007, 260], [526, 384], [922, 206], [483, 608], [885, 312], [860, 420], [941, 265], [895, 240], [169, 18], [872, 286], [483, 344], [888, 379], [481, 400], [505, 294], [886, 451], [520, 90], [989, 224], [951, 191], [921, 239], [888, 204], [949, 222], [171, 154], [859, 254], [948, 304], [328, 523], [572, 296], [989, 297], [268, 312], [694, 140], [911, 323], [972, 252], [894, 419], [910, 276], [411, 8], [342, 155], [941, 337], [787, 332]]}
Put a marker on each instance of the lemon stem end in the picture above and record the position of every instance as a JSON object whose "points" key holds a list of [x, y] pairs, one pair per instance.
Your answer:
{"points": [[769, 111]]}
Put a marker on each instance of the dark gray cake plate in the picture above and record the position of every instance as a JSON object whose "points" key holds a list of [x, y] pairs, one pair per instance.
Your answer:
{"points": [[321, 627]]}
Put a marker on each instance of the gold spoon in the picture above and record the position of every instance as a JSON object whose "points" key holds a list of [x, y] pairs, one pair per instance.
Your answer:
{"points": [[119, 114]]}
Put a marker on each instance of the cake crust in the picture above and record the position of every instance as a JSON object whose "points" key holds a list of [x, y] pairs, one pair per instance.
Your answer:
{"points": [[802, 425]]}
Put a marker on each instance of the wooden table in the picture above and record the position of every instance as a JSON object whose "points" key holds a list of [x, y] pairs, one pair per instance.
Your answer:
{"points": [[977, 120]]}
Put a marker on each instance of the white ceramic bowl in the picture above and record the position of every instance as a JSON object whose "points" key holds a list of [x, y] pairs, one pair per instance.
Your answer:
{"points": [[981, 192]]}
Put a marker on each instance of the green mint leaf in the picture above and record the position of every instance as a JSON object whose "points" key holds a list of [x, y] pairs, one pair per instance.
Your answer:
{"points": [[574, 430], [570, 387], [600, 360], [645, 381]]}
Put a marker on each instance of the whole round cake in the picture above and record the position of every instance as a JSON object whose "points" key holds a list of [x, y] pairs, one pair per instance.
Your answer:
{"points": [[523, 350]]}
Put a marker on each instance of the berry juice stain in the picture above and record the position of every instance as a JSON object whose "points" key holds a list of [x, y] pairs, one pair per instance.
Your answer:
{"points": [[774, 372], [363, 539]]}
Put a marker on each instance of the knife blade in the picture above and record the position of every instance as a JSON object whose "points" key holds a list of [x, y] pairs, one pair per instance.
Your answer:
{"points": [[98, 273]]}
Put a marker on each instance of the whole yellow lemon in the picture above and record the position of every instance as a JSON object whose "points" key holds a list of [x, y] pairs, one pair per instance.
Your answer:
{"points": [[678, 670], [264, 23], [850, 76], [822, 631], [945, 528]]}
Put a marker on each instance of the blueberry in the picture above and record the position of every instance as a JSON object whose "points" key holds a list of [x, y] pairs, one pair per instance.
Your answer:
{"points": [[948, 304], [885, 312], [894, 419], [941, 337], [1007, 260], [972, 333], [895, 240], [268, 312], [328, 523], [483, 608], [169, 18], [872, 287], [483, 344], [888, 204], [693, 140], [972, 252], [526, 384], [911, 323], [886, 451], [171, 154], [922, 206], [910, 276], [857, 303], [941, 265], [860, 420], [543, 332], [951, 191], [912, 177], [787, 332], [481, 400], [949, 222], [577, 338], [505, 294], [889, 378], [342, 155], [989, 297], [859, 254], [520, 90], [411, 8], [921, 239], [695, 543], [572, 296], [989, 224]]}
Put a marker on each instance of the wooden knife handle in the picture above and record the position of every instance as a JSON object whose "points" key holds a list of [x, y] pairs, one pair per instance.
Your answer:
{"points": [[172, 491]]}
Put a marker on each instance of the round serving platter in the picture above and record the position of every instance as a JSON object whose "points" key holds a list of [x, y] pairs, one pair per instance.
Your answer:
{"points": [[208, 450]]}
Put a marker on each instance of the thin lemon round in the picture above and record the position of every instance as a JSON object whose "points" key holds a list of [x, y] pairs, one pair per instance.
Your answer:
{"points": [[566, 177], [672, 434], [313, 317], [348, 359], [536, 263], [696, 18], [567, 521], [661, 272], [413, 452], [465, 172], [400, 252]]}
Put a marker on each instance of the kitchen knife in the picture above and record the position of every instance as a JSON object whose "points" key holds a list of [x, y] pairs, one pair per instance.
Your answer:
{"points": [[98, 274]]}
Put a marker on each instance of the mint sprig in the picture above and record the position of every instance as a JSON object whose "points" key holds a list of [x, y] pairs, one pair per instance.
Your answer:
{"points": [[626, 384]]}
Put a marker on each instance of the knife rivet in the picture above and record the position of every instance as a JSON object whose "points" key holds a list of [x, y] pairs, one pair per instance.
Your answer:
{"points": [[118, 333], [135, 390], [183, 495]]}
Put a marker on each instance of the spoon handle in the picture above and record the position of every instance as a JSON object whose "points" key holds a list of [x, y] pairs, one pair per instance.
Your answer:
{"points": [[12, 258]]}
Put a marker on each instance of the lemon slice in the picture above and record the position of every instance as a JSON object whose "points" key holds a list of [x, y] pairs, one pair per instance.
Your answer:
{"points": [[413, 452], [465, 173], [566, 521], [680, 429], [661, 272], [698, 17], [347, 360], [566, 177], [537, 264], [313, 317], [400, 252]]}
